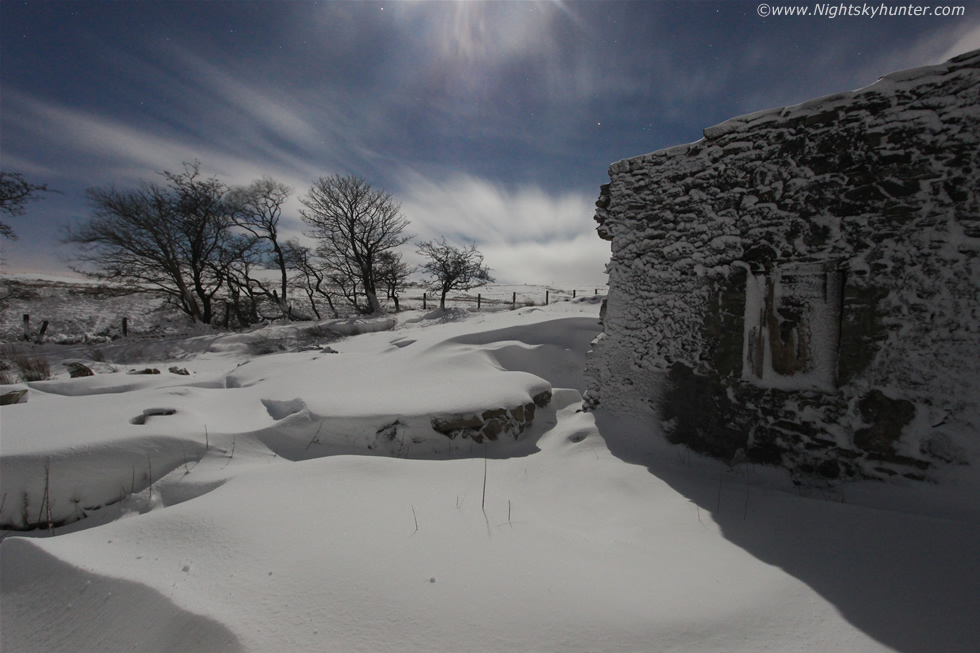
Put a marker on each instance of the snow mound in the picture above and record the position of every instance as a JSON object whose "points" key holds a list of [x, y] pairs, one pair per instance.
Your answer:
{"points": [[285, 505], [59, 607]]}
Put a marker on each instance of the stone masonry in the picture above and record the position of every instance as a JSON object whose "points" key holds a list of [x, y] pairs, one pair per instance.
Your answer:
{"points": [[801, 287]]}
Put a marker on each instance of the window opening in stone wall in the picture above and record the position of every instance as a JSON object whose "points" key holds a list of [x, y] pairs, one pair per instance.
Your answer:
{"points": [[792, 326]]}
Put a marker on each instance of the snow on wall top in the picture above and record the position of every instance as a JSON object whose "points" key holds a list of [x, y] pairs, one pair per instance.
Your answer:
{"points": [[867, 199], [887, 84]]}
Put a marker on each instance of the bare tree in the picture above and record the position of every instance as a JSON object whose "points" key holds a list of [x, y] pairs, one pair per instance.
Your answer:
{"points": [[392, 273], [453, 268], [174, 240], [257, 209], [353, 224], [203, 233], [244, 291], [15, 193], [310, 276]]}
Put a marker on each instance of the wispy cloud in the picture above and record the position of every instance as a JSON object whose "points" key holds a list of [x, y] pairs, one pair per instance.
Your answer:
{"points": [[528, 235], [580, 261], [87, 138], [483, 118], [263, 107]]}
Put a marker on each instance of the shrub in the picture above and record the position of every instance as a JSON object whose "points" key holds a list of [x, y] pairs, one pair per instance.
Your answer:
{"points": [[31, 367], [322, 332], [268, 344], [131, 353]]}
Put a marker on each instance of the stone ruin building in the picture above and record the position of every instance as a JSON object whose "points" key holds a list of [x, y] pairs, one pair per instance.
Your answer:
{"points": [[801, 287]]}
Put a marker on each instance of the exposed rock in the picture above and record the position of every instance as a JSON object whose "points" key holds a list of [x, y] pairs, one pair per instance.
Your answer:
{"points": [[529, 412], [490, 424], [78, 370], [497, 413], [887, 418], [14, 397], [179, 370], [148, 370], [456, 423], [542, 399], [493, 428]]}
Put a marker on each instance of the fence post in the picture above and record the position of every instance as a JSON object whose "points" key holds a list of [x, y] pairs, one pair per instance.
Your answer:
{"points": [[479, 299], [547, 293], [125, 326], [40, 334], [423, 301], [513, 301], [573, 293], [27, 326]]}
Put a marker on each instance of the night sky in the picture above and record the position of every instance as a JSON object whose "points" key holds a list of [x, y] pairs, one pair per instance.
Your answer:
{"points": [[490, 122]]}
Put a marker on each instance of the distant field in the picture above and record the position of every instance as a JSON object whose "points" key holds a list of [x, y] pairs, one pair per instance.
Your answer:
{"points": [[78, 310]]}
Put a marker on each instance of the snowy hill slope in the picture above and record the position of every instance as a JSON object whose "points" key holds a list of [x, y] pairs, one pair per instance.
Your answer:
{"points": [[321, 509]]}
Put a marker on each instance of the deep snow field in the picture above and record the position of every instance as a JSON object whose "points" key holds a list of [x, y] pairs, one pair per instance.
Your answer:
{"points": [[302, 500]]}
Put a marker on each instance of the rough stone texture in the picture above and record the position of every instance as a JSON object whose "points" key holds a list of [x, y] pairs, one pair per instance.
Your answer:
{"points": [[77, 370], [14, 397], [492, 423], [802, 284], [887, 417], [542, 399], [456, 423]]}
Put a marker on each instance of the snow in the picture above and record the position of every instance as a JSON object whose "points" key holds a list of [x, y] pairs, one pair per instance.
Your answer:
{"points": [[269, 511]]}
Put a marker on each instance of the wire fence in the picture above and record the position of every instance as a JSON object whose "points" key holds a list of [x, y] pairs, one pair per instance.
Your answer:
{"points": [[107, 322], [415, 299]]}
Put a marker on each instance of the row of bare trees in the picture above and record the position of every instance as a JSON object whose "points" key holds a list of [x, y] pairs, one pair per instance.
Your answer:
{"points": [[209, 248]]}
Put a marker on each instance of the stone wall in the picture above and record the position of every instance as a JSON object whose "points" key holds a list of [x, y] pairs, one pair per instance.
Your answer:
{"points": [[800, 287]]}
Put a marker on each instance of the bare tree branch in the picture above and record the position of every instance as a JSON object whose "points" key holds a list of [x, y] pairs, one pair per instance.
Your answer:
{"points": [[310, 276], [257, 209], [353, 224], [15, 193], [174, 240], [453, 268]]}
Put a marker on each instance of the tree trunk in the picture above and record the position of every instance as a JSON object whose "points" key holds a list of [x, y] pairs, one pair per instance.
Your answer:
{"points": [[282, 304], [206, 313], [333, 309], [313, 305], [373, 304], [283, 273]]}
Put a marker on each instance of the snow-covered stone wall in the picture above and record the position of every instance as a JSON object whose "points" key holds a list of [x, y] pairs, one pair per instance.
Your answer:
{"points": [[802, 286]]}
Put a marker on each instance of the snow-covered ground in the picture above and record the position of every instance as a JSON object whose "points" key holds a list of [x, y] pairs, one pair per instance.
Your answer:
{"points": [[304, 500]]}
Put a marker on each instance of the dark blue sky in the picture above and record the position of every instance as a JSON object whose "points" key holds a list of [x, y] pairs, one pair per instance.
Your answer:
{"points": [[492, 122]]}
